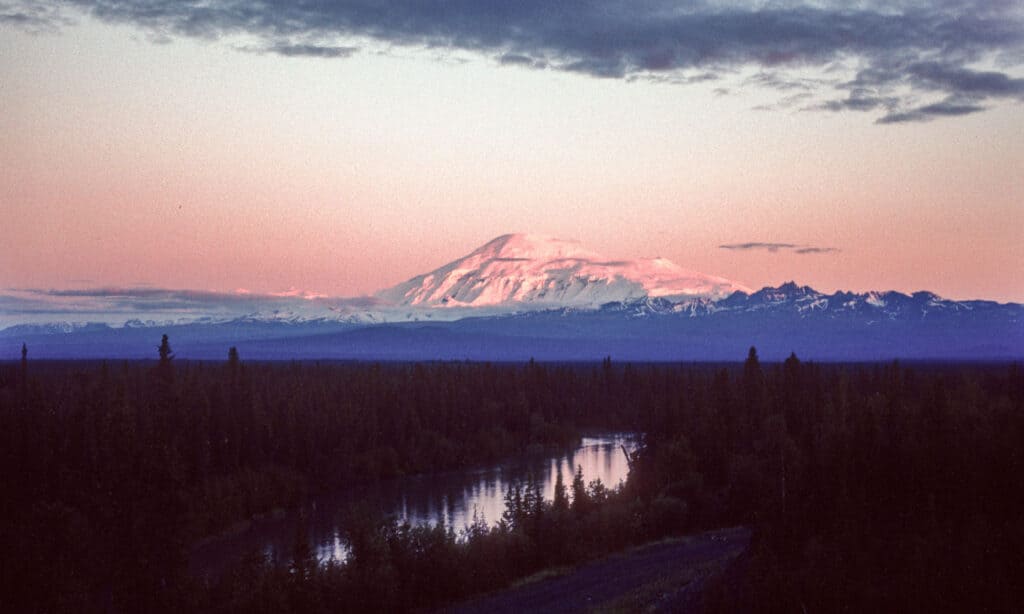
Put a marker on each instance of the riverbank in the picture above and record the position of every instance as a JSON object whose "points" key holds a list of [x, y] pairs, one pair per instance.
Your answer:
{"points": [[455, 498]]}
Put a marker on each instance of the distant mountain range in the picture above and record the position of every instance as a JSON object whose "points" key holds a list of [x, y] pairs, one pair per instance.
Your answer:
{"points": [[524, 296]]}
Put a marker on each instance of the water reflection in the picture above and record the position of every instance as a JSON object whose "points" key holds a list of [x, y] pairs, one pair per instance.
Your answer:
{"points": [[452, 497]]}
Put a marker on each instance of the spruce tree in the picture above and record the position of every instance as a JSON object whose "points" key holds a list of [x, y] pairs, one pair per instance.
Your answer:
{"points": [[164, 367], [561, 502], [580, 499], [233, 361], [24, 366]]}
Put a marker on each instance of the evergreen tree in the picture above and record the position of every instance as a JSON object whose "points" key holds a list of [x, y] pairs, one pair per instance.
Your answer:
{"points": [[24, 366], [755, 397], [513, 507], [753, 377], [529, 496], [304, 563], [164, 367], [580, 498], [561, 502], [234, 374]]}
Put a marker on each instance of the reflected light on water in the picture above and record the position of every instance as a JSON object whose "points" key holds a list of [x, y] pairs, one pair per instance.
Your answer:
{"points": [[451, 497]]}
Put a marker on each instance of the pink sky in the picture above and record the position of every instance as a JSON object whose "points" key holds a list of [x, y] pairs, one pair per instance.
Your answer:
{"points": [[196, 165]]}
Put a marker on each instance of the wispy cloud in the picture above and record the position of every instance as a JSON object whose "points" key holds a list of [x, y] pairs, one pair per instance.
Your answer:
{"points": [[816, 250], [776, 247], [118, 304], [893, 52], [858, 99], [304, 50], [516, 59], [771, 247], [946, 108]]}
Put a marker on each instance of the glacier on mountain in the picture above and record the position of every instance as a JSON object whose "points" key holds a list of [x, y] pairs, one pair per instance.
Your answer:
{"points": [[523, 271]]}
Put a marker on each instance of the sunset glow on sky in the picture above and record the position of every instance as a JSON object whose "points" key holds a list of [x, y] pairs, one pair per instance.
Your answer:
{"points": [[352, 155]]}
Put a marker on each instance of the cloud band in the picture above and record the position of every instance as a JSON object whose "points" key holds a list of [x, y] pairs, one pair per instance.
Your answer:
{"points": [[896, 52], [777, 247]]}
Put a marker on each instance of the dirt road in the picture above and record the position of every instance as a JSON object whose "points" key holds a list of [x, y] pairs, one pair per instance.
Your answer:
{"points": [[656, 577]]}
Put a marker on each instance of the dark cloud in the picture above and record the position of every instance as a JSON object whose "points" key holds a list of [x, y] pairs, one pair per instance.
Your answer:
{"points": [[706, 76], [816, 250], [950, 108], [783, 83], [946, 108], [776, 247], [20, 305], [771, 247], [675, 78], [859, 99], [516, 59], [914, 46], [965, 81], [32, 15], [314, 51], [856, 103], [146, 292]]}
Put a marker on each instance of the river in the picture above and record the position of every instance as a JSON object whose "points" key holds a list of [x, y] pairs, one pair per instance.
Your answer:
{"points": [[452, 496]]}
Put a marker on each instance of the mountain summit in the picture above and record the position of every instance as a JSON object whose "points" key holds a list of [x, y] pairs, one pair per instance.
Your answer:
{"points": [[524, 269], [527, 296]]}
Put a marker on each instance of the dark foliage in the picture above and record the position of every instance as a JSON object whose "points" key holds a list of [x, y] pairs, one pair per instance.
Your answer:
{"points": [[112, 471], [870, 488]]}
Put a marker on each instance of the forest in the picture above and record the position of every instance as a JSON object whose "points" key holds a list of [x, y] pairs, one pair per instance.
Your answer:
{"points": [[869, 487]]}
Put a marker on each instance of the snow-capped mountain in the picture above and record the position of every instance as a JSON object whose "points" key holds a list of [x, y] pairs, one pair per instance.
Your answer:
{"points": [[523, 271], [517, 297], [801, 302], [778, 320], [806, 302]]}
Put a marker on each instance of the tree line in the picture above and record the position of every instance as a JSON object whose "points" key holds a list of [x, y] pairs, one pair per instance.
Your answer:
{"points": [[870, 487]]}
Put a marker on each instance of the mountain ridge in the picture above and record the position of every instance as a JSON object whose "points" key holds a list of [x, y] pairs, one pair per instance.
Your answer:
{"points": [[777, 320], [533, 296], [805, 300]]}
